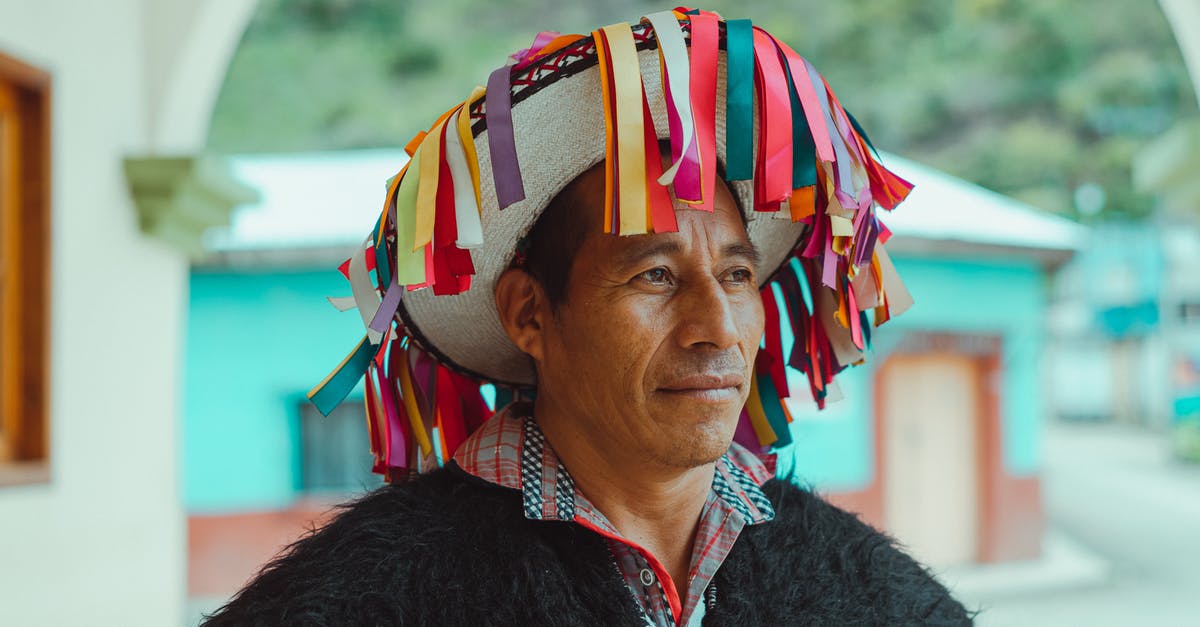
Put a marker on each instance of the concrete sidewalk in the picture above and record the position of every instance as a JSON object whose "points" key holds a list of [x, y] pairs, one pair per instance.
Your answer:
{"points": [[1125, 542], [1064, 565]]}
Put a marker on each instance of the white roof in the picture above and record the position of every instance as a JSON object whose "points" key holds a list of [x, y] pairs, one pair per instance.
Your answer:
{"points": [[308, 200], [332, 199], [942, 207]]}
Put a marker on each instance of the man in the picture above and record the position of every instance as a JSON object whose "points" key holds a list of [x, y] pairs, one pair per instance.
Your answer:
{"points": [[628, 294]]}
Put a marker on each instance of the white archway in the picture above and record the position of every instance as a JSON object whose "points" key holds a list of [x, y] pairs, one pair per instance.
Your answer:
{"points": [[189, 47], [1184, 18]]}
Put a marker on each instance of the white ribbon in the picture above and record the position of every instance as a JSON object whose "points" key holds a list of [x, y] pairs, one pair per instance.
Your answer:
{"points": [[673, 52], [342, 303], [365, 297], [466, 210]]}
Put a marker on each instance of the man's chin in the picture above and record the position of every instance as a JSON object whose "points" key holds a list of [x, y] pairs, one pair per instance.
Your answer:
{"points": [[700, 441]]}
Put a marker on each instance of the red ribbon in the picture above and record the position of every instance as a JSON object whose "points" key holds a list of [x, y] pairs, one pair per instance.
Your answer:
{"points": [[773, 179], [658, 201], [450, 407], [774, 342], [705, 40]]}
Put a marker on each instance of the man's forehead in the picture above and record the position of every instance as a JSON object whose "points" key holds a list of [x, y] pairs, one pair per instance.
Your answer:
{"points": [[718, 232]]}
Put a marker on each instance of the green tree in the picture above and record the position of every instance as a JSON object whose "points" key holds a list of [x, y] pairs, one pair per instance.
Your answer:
{"points": [[1032, 98]]}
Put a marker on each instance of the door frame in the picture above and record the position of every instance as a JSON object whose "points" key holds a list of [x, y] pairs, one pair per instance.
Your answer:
{"points": [[986, 350]]}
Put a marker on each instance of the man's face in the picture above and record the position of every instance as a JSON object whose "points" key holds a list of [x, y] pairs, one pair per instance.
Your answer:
{"points": [[653, 348]]}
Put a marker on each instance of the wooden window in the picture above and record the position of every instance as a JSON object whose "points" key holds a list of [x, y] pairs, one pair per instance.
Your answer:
{"points": [[24, 272]]}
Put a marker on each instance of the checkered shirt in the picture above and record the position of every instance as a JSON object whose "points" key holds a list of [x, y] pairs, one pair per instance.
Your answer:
{"points": [[510, 450]]}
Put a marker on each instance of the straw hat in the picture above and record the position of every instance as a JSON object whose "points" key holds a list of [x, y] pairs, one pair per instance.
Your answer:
{"points": [[719, 91]]}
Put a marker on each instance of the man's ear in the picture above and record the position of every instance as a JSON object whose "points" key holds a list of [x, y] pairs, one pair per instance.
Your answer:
{"points": [[523, 311]]}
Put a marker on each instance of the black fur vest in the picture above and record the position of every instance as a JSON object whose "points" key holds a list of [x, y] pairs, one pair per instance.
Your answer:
{"points": [[449, 549]]}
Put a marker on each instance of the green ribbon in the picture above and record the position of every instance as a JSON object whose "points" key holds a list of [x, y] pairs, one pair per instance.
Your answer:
{"points": [[739, 100]]}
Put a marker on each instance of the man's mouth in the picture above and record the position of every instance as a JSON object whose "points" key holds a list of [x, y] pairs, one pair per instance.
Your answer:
{"points": [[707, 387]]}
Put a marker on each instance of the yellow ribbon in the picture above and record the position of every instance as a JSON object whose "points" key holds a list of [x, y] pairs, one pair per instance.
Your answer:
{"points": [[431, 157], [758, 416], [410, 264], [393, 185], [630, 125]]}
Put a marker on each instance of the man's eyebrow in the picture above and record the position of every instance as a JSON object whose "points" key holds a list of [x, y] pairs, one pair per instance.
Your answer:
{"points": [[636, 254], [744, 249]]}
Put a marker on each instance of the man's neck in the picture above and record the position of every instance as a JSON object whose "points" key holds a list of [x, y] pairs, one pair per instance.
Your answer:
{"points": [[655, 506]]}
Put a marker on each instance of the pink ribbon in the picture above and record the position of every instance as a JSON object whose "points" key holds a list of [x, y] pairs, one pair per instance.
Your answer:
{"points": [[524, 58]]}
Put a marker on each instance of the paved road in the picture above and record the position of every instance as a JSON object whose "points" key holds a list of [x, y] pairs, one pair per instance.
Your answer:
{"points": [[1116, 491]]}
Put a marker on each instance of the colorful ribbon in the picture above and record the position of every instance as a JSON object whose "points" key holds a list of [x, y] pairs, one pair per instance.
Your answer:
{"points": [[506, 169], [739, 100], [676, 79], [630, 129], [773, 174], [705, 43]]}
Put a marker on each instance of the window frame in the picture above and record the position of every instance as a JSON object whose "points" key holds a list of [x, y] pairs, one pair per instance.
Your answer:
{"points": [[25, 245]]}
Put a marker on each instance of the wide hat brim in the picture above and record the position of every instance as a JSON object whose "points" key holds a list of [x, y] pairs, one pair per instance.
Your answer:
{"points": [[559, 133]]}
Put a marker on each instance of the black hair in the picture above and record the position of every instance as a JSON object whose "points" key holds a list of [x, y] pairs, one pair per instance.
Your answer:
{"points": [[547, 253]]}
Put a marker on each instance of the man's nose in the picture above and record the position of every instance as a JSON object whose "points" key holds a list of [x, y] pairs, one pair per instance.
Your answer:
{"points": [[708, 315]]}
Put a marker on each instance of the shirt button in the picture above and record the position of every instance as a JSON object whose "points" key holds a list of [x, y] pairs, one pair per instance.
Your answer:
{"points": [[647, 577]]}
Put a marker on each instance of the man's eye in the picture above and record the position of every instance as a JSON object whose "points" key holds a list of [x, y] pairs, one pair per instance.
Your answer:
{"points": [[656, 276], [740, 275]]}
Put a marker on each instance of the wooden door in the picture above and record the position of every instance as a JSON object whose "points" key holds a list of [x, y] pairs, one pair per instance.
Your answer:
{"points": [[929, 467]]}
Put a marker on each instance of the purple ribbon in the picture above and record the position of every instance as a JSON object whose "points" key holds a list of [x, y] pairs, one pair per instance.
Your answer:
{"points": [[396, 446], [387, 307], [744, 433], [506, 170]]}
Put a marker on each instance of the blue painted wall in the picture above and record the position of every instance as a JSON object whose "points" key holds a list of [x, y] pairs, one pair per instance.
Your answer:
{"points": [[258, 341], [834, 447]]}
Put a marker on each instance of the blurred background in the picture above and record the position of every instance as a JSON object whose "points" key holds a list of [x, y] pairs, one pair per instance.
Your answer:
{"points": [[180, 178]]}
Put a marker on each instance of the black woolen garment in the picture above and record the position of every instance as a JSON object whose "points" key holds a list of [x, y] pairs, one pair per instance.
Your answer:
{"points": [[447, 548]]}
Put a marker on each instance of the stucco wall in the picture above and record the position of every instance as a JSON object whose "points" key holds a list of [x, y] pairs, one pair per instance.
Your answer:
{"points": [[102, 543], [257, 341]]}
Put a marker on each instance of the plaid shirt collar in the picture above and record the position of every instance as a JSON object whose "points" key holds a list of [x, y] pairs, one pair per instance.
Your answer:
{"points": [[510, 450]]}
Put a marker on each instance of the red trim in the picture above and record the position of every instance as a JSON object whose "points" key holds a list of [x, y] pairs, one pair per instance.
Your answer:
{"points": [[660, 572]]}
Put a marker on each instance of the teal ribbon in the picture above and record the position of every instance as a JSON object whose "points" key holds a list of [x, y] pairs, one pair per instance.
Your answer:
{"points": [[861, 133], [739, 100], [329, 396], [382, 267], [804, 149], [504, 397], [773, 408]]}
